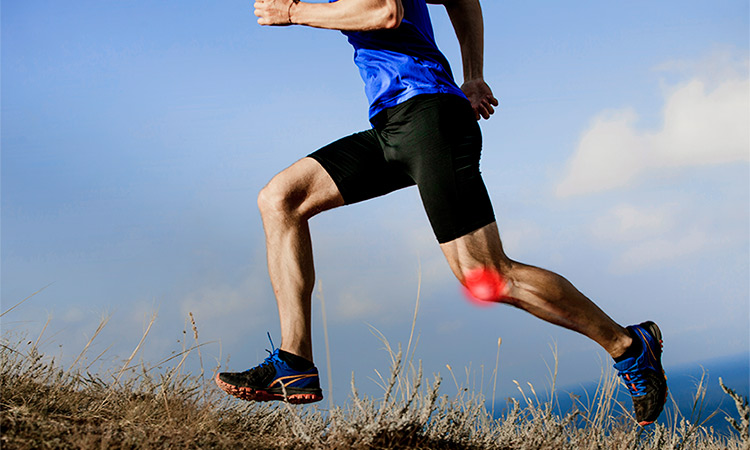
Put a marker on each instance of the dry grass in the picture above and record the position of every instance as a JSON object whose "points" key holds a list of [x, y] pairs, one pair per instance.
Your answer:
{"points": [[149, 407]]}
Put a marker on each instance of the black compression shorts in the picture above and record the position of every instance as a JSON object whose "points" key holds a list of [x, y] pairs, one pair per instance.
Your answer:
{"points": [[432, 141]]}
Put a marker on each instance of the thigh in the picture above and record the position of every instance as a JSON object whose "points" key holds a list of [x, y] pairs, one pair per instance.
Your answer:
{"points": [[357, 166], [438, 140]]}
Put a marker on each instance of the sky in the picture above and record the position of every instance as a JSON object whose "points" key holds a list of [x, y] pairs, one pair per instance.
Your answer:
{"points": [[136, 136]]}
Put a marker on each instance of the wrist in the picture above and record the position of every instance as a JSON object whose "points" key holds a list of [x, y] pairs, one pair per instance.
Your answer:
{"points": [[475, 79], [291, 11], [473, 68]]}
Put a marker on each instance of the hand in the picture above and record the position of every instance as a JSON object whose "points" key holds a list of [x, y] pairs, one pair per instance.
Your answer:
{"points": [[480, 96], [273, 12]]}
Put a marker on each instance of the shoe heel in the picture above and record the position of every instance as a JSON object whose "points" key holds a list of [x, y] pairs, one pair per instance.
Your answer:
{"points": [[653, 329]]}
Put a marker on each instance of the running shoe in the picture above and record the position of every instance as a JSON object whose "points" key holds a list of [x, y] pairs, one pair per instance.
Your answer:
{"points": [[644, 376], [272, 379]]}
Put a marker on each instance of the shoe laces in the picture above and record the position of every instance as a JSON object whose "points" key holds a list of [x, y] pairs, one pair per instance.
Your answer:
{"points": [[269, 358], [273, 349], [635, 380]]}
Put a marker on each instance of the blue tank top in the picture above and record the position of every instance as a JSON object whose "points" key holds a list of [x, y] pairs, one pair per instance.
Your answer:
{"points": [[398, 64]]}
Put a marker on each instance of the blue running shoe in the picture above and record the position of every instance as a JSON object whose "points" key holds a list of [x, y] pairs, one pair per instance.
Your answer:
{"points": [[644, 376], [272, 379]]}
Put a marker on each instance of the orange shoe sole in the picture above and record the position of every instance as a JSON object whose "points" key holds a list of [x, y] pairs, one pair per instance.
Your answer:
{"points": [[259, 395]]}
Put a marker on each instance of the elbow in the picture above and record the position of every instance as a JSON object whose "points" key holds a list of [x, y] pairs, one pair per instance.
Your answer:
{"points": [[392, 13]]}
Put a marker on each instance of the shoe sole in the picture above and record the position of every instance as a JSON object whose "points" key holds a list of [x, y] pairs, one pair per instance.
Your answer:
{"points": [[259, 395]]}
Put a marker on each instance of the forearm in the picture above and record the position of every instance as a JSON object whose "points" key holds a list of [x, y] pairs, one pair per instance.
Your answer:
{"points": [[466, 17], [348, 15]]}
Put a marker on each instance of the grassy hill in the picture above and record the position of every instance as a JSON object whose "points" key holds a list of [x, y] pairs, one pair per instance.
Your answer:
{"points": [[157, 406]]}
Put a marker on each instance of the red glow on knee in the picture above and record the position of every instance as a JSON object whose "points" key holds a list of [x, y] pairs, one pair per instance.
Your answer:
{"points": [[484, 285]]}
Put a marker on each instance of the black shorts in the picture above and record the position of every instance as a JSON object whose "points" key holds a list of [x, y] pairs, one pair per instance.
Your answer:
{"points": [[432, 141]]}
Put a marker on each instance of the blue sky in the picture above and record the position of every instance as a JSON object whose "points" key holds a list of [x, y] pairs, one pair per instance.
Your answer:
{"points": [[136, 135]]}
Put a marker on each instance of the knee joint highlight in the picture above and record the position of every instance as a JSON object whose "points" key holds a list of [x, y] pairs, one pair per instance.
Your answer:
{"points": [[485, 284]]}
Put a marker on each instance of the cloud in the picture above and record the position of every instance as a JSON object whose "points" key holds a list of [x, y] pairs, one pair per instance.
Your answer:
{"points": [[627, 222], [650, 234], [704, 122], [663, 249]]}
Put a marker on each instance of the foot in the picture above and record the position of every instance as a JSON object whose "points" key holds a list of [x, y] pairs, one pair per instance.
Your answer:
{"points": [[272, 379], [644, 376]]}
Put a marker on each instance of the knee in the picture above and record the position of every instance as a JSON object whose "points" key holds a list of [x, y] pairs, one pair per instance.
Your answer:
{"points": [[277, 200], [486, 284]]}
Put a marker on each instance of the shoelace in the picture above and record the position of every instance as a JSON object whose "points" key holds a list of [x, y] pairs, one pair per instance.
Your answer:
{"points": [[273, 349], [634, 380], [270, 356]]}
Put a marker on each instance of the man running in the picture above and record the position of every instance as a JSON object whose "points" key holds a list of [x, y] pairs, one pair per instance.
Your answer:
{"points": [[425, 132]]}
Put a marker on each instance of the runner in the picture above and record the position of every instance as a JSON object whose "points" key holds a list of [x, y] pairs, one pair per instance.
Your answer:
{"points": [[425, 132]]}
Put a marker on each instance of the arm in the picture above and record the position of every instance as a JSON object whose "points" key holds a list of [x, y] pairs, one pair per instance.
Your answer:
{"points": [[345, 15], [466, 17]]}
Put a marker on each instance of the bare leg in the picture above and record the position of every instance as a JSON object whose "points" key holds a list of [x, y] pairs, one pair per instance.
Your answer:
{"points": [[540, 292], [286, 204]]}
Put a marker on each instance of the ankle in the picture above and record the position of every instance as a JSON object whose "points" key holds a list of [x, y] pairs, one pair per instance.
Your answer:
{"points": [[632, 351], [621, 345], [296, 362]]}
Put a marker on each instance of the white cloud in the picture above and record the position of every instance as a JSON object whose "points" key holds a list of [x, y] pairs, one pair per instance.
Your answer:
{"points": [[717, 67], [650, 234], [662, 249], [629, 222], [704, 122]]}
